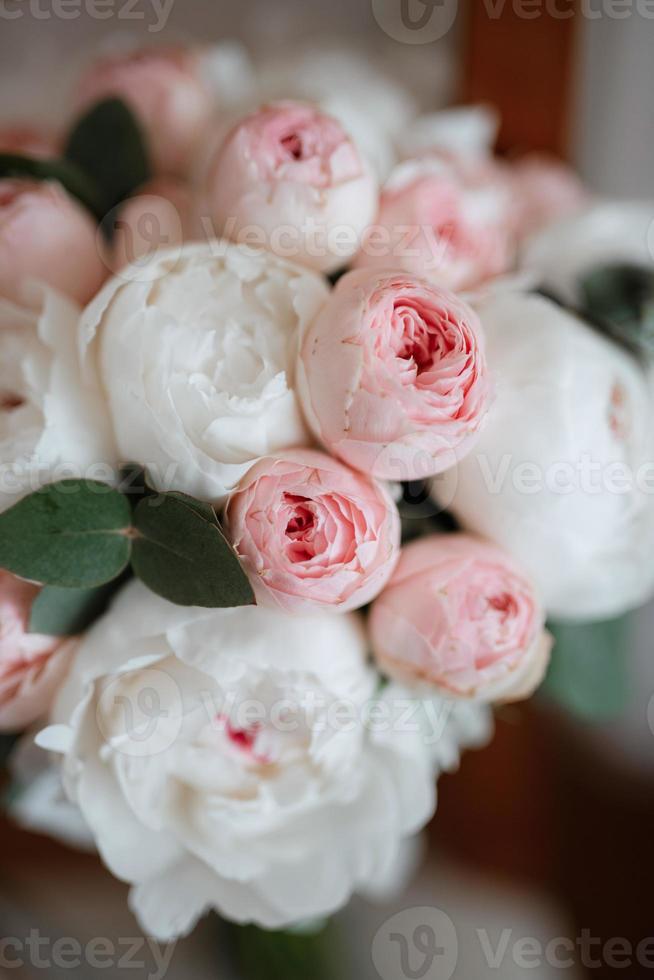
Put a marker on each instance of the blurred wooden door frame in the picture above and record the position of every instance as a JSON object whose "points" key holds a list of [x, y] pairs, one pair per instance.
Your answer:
{"points": [[519, 55]]}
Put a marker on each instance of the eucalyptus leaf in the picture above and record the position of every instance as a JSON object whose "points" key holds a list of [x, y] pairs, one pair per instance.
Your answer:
{"points": [[107, 144], [67, 612], [587, 673], [73, 533], [180, 553], [68, 174]]}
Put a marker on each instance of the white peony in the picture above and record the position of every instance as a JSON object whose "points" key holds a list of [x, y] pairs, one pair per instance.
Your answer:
{"points": [[222, 759], [52, 424], [608, 233], [198, 362], [562, 476]]}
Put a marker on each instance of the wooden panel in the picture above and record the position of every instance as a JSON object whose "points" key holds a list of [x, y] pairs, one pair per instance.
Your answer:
{"points": [[524, 66]]}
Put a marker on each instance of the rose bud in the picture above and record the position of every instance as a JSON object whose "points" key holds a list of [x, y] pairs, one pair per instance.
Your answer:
{"points": [[392, 375], [460, 616], [165, 90], [159, 216], [443, 222], [290, 179], [45, 235], [312, 532], [32, 666], [545, 190], [27, 140], [561, 475]]}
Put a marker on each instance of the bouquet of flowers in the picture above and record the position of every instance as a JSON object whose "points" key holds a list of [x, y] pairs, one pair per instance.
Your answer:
{"points": [[311, 415]]}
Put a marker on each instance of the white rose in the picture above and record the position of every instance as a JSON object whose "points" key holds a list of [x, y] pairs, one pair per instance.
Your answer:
{"points": [[198, 362], [52, 424], [222, 760], [608, 233], [562, 475]]}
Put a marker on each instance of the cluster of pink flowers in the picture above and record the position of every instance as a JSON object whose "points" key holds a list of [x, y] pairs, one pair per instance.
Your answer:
{"points": [[391, 374]]}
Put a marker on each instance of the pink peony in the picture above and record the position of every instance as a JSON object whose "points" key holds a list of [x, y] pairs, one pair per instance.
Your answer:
{"points": [[46, 235], [31, 666], [164, 88], [444, 221], [392, 375], [290, 179], [458, 614], [312, 532]]}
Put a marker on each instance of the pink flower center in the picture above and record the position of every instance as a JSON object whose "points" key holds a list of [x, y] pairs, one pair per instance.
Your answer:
{"points": [[422, 341], [300, 528], [245, 739], [505, 604], [292, 145]]}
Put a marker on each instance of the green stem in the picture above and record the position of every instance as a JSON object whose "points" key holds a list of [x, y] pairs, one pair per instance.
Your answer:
{"points": [[259, 954]]}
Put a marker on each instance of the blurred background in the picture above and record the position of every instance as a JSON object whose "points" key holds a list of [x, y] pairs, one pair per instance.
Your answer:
{"points": [[547, 833]]}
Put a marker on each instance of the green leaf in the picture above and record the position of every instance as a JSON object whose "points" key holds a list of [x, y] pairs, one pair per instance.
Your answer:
{"points": [[108, 145], [73, 533], [204, 510], [75, 181], [182, 554], [67, 612], [619, 300], [587, 673]]}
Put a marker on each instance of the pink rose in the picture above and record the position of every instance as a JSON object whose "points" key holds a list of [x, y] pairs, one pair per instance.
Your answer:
{"points": [[46, 235], [545, 189], [31, 666], [159, 216], [289, 178], [165, 90], [439, 221], [392, 375], [27, 140], [458, 614], [312, 532]]}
